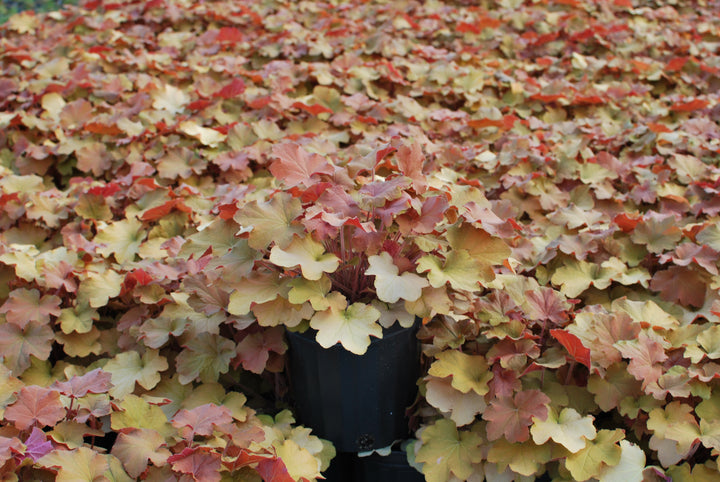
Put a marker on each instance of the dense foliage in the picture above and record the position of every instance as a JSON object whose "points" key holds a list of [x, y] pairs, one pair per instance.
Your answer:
{"points": [[10, 7], [153, 155]]}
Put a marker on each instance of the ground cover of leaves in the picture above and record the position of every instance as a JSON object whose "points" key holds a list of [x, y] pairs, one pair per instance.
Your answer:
{"points": [[11, 7], [583, 134]]}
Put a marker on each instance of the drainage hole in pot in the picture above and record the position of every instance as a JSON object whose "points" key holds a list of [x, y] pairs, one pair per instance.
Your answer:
{"points": [[365, 442]]}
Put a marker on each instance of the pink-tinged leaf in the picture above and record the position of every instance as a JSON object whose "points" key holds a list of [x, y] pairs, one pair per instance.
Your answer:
{"points": [[547, 304], [201, 420], [511, 417], [646, 358], [687, 253], [18, 344], [233, 89], [24, 305], [201, 463], [137, 447], [295, 166], [95, 381], [411, 160], [274, 470], [36, 405], [9, 448], [573, 345], [431, 215], [37, 444], [230, 34], [680, 285], [254, 350]]}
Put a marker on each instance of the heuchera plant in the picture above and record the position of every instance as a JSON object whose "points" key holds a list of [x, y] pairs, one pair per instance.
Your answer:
{"points": [[181, 182], [351, 249]]}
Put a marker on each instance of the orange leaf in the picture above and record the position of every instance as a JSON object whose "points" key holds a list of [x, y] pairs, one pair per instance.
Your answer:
{"points": [[696, 104], [573, 345], [153, 214], [98, 128], [658, 128], [314, 109]]}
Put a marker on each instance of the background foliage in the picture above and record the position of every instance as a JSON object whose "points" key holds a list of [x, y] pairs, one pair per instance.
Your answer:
{"points": [[137, 147]]}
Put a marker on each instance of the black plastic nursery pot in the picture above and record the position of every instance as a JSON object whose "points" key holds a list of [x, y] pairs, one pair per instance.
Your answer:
{"points": [[393, 467], [358, 402]]}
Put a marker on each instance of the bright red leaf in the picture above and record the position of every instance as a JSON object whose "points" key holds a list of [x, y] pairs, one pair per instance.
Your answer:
{"points": [[573, 345]]}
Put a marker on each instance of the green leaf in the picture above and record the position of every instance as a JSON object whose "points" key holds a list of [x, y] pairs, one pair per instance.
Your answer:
{"points": [[351, 325], [260, 287], [629, 469], [308, 254], [315, 291], [569, 429], [121, 238], [271, 221], [135, 412], [137, 447], [601, 452], [127, 368], [576, 276], [447, 452], [459, 269], [98, 288], [76, 465], [390, 286], [468, 372], [205, 357]]}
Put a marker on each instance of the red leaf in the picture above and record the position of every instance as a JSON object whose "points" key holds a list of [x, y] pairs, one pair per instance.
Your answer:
{"points": [[136, 277], [511, 417], [658, 128], [98, 49], [227, 211], [573, 345], [199, 104], [274, 470], [625, 222], [233, 89], [681, 285], [201, 420], [676, 64], [295, 165], [259, 102], [507, 122], [153, 214], [313, 193], [314, 109], [95, 381], [696, 104], [230, 34], [104, 191], [380, 154], [588, 100], [98, 128], [201, 463], [36, 405]]}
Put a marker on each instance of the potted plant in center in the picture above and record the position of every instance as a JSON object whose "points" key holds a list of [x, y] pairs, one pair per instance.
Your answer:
{"points": [[349, 256]]}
